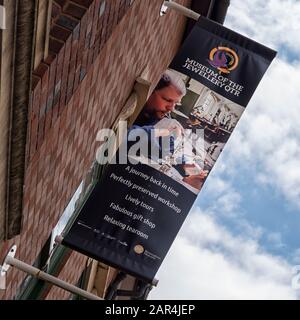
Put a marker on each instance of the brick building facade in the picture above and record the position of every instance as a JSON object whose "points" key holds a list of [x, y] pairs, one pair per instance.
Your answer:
{"points": [[96, 51]]}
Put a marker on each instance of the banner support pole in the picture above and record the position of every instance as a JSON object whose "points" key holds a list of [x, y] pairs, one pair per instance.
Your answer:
{"points": [[179, 8], [58, 239], [39, 274]]}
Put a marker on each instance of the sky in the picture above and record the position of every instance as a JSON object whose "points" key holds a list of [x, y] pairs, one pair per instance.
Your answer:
{"points": [[241, 238]]}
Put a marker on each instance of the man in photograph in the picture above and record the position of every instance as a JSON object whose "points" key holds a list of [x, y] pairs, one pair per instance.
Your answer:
{"points": [[166, 95], [155, 117]]}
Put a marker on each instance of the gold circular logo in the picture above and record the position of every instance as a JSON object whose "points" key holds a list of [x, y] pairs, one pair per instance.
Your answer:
{"points": [[224, 59], [138, 249]]}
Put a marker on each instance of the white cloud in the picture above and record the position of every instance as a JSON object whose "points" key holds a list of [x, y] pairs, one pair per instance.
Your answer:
{"points": [[275, 239], [227, 203], [273, 22], [268, 135], [249, 230], [225, 199], [296, 256], [267, 138], [208, 262]]}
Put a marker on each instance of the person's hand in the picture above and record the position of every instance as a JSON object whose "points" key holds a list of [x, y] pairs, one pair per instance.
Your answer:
{"points": [[161, 132], [194, 169], [176, 130], [166, 127], [197, 180], [203, 174]]}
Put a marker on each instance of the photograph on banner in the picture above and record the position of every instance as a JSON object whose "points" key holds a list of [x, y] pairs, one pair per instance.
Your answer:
{"points": [[211, 112], [186, 126]]}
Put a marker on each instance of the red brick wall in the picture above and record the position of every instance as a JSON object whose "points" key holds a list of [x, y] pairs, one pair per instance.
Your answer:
{"points": [[69, 108]]}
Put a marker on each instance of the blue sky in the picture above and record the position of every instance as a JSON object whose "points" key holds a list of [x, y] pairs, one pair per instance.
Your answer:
{"points": [[241, 239]]}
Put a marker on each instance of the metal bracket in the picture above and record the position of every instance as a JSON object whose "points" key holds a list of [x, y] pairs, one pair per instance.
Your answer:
{"points": [[39, 274], [179, 8], [4, 268], [163, 9]]}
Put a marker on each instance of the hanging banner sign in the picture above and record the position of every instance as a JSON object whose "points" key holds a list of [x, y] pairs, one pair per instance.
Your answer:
{"points": [[136, 209]]}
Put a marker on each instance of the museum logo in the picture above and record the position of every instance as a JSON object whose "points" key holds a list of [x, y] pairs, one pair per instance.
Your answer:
{"points": [[224, 59]]}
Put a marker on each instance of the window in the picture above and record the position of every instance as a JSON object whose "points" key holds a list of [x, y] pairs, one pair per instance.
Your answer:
{"points": [[62, 222]]}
